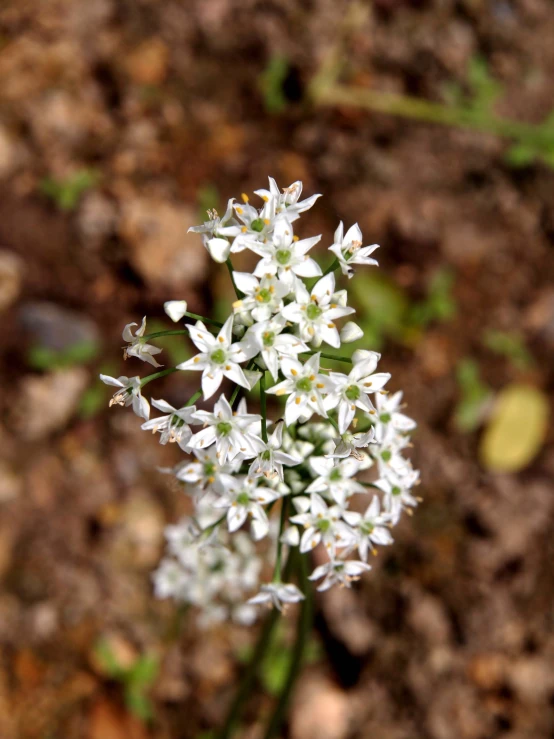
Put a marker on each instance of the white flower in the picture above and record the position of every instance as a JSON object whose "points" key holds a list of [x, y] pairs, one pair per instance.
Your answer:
{"points": [[242, 497], [350, 333], [351, 391], [334, 479], [304, 386], [339, 572], [229, 431], [388, 413], [218, 357], [316, 312], [322, 523], [289, 200], [262, 297], [397, 488], [371, 527], [348, 444], [206, 471], [175, 426], [269, 463], [128, 394], [349, 250], [170, 579], [266, 338], [137, 348], [175, 309], [256, 225], [286, 257], [277, 594], [216, 231]]}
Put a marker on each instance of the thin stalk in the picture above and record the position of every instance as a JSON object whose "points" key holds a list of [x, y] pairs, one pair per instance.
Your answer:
{"points": [[333, 423], [263, 407], [323, 355], [193, 398], [249, 676], [332, 267], [282, 521], [414, 108], [157, 375], [304, 625], [232, 275], [171, 332]]}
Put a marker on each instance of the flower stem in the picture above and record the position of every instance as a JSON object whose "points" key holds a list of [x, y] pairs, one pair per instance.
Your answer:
{"points": [[263, 407], [171, 332], [333, 423], [157, 375], [277, 569], [193, 398], [304, 625], [231, 272], [247, 682], [334, 357], [332, 267]]}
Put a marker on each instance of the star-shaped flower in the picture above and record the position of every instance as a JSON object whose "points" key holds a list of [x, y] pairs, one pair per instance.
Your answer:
{"points": [[316, 311], [218, 357], [372, 527], [174, 427], [242, 496], [322, 523], [277, 594], [349, 250], [267, 339], [305, 388], [128, 394], [137, 346]]}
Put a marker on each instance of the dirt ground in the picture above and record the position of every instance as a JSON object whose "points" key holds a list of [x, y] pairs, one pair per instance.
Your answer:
{"points": [[158, 107]]}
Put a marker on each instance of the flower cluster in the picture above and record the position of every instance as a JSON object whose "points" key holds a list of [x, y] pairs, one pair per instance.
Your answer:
{"points": [[330, 473]]}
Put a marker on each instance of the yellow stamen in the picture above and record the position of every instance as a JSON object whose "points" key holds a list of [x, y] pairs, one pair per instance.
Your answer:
{"points": [[245, 197]]}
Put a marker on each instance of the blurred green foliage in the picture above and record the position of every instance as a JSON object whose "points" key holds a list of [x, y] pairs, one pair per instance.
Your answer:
{"points": [[66, 193], [207, 198], [271, 83], [136, 680], [509, 344], [475, 396], [45, 359]]}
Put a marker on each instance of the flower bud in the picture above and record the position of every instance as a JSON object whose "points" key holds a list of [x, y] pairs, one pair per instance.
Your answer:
{"points": [[175, 309], [350, 332]]}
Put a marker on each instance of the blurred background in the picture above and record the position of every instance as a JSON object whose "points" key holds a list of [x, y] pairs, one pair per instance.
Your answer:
{"points": [[120, 124]]}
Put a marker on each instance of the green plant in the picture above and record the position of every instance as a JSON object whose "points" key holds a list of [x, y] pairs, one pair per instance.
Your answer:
{"points": [[67, 192], [509, 344], [136, 679], [271, 83], [44, 358], [474, 396]]}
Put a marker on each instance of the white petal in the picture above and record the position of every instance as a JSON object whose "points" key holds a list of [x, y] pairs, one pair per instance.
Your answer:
{"points": [[351, 332], [219, 249], [175, 309]]}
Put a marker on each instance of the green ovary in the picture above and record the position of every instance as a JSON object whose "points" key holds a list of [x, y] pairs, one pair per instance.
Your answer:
{"points": [[323, 525], [386, 455], [218, 357], [367, 528], [335, 475], [243, 499], [313, 311], [396, 490], [268, 338], [304, 385], [264, 296], [384, 417], [352, 392], [224, 428], [257, 225], [283, 256]]}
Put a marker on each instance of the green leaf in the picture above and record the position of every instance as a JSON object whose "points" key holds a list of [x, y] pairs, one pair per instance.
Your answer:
{"points": [[509, 344], [138, 703], [208, 199], [107, 658], [44, 358], [145, 670], [275, 669], [271, 83], [383, 306], [474, 397], [67, 192], [517, 429], [521, 155], [484, 87]]}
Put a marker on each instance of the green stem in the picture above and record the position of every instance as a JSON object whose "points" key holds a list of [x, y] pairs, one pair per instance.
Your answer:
{"points": [[193, 398], [334, 423], [231, 273], [203, 319], [332, 267], [263, 407], [304, 625], [414, 108], [249, 676], [157, 334], [282, 521], [157, 375], [323, 355]]}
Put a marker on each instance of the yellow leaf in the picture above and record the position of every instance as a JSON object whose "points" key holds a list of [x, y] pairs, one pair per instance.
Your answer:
{"points": [[516, 430]]}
